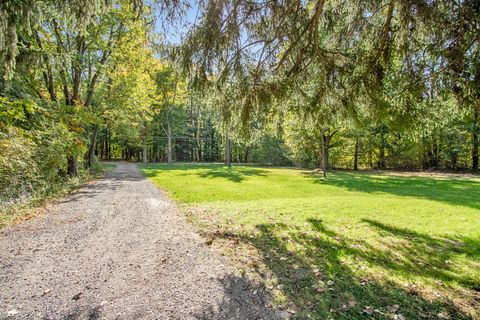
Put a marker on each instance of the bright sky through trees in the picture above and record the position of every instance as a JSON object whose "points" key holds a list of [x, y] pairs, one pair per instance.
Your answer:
{"points": [[175, 31]]}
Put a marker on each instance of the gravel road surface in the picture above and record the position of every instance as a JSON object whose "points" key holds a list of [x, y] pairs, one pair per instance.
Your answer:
{"points": [[118, 249]]}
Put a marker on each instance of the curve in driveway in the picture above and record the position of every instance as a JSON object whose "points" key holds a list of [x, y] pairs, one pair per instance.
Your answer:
{"points": [[118, 249]]}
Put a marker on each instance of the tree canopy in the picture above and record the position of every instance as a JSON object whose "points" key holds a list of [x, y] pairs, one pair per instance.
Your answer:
{"points": [[347, 84]]}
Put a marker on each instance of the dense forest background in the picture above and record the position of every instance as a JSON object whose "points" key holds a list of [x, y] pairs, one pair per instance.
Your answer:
{"points": [[343, 84]]}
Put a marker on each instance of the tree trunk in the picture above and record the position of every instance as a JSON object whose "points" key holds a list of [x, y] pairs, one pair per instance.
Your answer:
{"points": [[109, 147], [370, 158], [198, 133], [91, 148], [144, 154], [47, 75], [102, 149], [72, 166], [227, 150], [326, 139], [77, 66], [169, 142], [381, 155], [475, 139], [324, 154], [245, 156], [355, 156], [97, 150], [153, 155]]}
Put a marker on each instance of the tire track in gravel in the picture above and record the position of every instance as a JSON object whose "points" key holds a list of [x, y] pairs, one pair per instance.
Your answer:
{"points": [[118, 249]]}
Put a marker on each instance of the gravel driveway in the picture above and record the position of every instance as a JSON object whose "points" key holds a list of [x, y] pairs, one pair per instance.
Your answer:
{"points": [[118, 249]]}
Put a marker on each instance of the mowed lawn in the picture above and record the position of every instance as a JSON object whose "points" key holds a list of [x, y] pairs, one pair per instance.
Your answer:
{"points": [[352, 246]]}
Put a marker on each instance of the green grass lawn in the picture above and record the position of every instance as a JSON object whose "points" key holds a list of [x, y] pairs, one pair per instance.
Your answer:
{"points": [[353, 246]]}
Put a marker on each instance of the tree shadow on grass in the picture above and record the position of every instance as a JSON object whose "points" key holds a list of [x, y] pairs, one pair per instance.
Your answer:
{"points": [[232, 174], [317, 282], [410, 252], [454, 191]]}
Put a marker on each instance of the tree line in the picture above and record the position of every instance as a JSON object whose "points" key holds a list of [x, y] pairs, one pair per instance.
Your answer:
{"points": [[343, 83]]}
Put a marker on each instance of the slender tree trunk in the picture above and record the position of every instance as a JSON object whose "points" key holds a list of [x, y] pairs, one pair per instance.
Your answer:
{"points": [[475, 139], [72, 166], [144, 142], [109, 147], [77, 66], [144, 153], [102, 149], [370, 158], [74, 98], [47, 75], [72, 159], [198, 133], [169, 127], [326, 139], [381, 156], [91, 148], [153, 155], [324, 154], [228, 161], [245, 157], [355, 156], [169, 141], [106, 144]]}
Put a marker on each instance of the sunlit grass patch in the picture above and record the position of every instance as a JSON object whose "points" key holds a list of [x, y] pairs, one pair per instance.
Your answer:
{"points": [[356, 245]]}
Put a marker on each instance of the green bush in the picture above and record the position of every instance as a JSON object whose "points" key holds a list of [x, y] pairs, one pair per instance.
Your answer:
{"points": [[33, 169], [18, 168]]}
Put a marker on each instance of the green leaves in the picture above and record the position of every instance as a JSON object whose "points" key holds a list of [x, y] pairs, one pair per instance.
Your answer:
{"points": [[15, 111]]}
